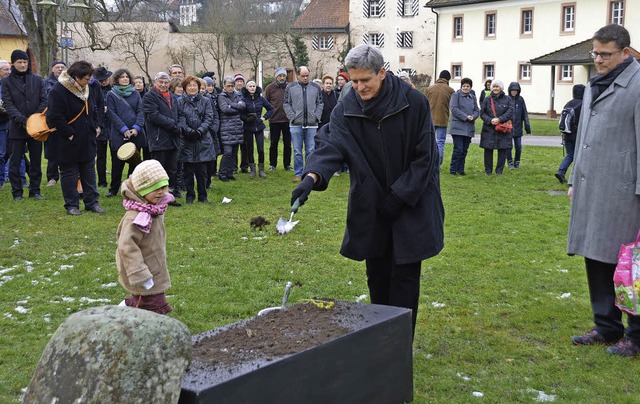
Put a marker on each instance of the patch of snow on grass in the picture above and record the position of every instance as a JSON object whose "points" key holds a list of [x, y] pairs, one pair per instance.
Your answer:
{"points": [[463, 376], [63, 267], [477, 394], [90, 300], [80, 254], [22, 310], [564, 296], [437, 305], [542, 396], [109, 285]]}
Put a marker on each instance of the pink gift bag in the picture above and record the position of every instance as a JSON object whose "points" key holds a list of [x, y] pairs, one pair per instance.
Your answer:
{"points": [[626, 278]]}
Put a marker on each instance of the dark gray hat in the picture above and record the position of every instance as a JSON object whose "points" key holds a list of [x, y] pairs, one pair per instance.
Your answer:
{"points": [[102, 73]]}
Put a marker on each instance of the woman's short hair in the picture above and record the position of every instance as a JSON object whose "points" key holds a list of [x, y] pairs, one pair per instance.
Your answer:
{"points": [[327, 76], [144, 82], [466, 80], [174, 83], [80, 69], [365, 57], [189, 79], [120, 72], [498, 83]]}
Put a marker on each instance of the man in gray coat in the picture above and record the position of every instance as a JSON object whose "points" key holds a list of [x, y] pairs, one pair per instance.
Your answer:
{"points": [[605, 186], [303, 106]]}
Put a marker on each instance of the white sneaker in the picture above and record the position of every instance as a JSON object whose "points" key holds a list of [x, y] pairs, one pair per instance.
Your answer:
{"points": [[52, 183]]}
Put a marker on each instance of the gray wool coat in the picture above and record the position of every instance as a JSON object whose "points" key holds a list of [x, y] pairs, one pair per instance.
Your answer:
{"points": [[605, 205]]}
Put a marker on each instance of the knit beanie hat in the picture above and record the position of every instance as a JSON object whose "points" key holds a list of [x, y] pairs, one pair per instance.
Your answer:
{"points": [[148, 177], [19, 54], [208, 80], [238, 76], [58, 62], [344, 75], [279, 71], [445, 75]]}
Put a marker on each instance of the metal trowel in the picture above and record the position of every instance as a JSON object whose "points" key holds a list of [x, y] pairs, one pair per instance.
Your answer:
{"points": [[283, 226]]}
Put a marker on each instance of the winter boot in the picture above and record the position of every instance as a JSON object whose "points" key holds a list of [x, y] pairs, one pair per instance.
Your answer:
{"points": [[517, 164], [252, 167], [261, 170]]}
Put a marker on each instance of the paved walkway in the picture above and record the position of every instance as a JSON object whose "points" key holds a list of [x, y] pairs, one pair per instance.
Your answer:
{"points": [[527, 140]]}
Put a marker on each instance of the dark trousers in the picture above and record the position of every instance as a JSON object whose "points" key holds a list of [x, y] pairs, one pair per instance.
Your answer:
{"points": [[227, 163], [517, 144], [69, 174], [244, 157], [199, 170], [168, 159], [275, 132], [53, 172], [570, 146], [35, 171], [606, 316], [488, 160], [394, 285], [459, 155], [117, 167], [101, 161], [248, 140]]}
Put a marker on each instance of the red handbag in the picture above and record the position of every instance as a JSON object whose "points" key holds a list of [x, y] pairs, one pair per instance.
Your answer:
{"points": [[504, 127]]}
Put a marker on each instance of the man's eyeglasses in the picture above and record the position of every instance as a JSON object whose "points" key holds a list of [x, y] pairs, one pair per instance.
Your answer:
{"points": [[603, 55]]}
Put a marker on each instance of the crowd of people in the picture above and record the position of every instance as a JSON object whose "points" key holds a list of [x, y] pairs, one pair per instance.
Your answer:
{"points": [[196, 130]]}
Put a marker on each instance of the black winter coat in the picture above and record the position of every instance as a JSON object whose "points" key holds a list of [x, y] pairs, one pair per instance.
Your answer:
{"points": [[103, 121], [123, 114], [489, 138], [253, 111], [160, 121], [520, 114], [329, 100], [75, 142], [215, 126], [21, 97], [397, 155], [196, 114], [98, 100], [231, 126]]}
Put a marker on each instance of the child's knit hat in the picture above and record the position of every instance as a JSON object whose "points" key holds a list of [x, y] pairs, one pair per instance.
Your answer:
{"points": [[148, 177]]}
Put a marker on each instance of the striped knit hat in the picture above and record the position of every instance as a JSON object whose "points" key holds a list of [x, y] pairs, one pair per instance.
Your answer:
{"points": [[148, 177]]}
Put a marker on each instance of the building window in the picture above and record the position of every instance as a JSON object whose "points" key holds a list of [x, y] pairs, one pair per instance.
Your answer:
{"points": [[566, 73], [404, 39], [524, 72], [616, 12], [375, 8], [568, 17], [490, 24], [526, 22], [456, 71], [489, 71], [376, 39], [322, 42], [457, 27], [408, 8]]}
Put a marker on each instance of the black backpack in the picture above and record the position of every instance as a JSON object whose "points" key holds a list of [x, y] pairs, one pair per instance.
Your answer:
{"points": [[568, 122]]}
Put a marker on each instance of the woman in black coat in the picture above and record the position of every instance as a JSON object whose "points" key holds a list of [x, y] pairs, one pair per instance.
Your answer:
{"points": [[124, 111], [254, 124], [490, 139], [231, 106], [71, 110], [195, 117]]}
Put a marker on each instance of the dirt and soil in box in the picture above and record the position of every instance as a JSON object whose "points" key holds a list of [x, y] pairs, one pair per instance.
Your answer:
{"points": [[276, 334]]}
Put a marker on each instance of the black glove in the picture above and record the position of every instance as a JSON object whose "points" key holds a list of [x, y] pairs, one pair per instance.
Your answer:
{"points": [[251, 118], [302, 191], [176, 130], [391, 207], [197, 134]]}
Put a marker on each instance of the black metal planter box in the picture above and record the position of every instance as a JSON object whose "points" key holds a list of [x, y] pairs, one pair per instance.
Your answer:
{"points": [[372, 364]]}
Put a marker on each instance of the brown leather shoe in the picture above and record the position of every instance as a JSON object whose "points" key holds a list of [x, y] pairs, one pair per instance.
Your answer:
{"points": [[297, 179]]}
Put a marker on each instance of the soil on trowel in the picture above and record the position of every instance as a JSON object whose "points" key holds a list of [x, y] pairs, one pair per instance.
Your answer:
{"points": [[275, 334]]}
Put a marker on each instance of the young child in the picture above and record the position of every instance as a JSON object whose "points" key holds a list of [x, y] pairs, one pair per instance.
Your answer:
{"points": [[141, 255]]}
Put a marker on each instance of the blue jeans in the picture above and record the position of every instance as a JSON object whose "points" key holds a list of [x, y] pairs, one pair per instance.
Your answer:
{"points": [[570, 145], [517, 143], [300, 135], [441, 137], [459, 155]]}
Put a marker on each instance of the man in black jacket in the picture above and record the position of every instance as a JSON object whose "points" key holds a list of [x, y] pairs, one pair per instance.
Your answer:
{"points": [[160, 108], [395, 217], [23, 94]]}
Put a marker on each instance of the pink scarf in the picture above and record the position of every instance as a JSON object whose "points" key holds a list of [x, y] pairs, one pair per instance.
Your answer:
{"points": [[147, 211]]}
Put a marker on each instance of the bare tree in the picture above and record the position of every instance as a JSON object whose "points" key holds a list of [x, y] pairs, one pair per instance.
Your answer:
{"points": [[138, 44]]}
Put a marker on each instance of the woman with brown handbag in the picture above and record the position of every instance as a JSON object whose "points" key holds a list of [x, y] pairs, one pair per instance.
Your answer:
{"points": [[71, 111]]}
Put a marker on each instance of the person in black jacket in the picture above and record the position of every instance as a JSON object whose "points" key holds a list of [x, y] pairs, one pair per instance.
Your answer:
{"points": [[124, 111], [103, 127], [254, 124], [71, 110], [195, 117], [329, 100], [490, 138], [53, 171], [520, 118], [395, 216], [160, 109], [23, 94], [569, 138]]}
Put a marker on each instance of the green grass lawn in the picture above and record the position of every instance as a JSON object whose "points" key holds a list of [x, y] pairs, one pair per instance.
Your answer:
{"points": [[539, 127], [497, 310]]}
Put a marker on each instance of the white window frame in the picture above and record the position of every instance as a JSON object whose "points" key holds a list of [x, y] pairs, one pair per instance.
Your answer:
{"points": [[458, 27], [569, 17], [526, 20], [566, 73], [616, 12], [376, 39], [375, 10], [324, 42], [456, 71], [490, 21], [489, 67], [524, 72]]}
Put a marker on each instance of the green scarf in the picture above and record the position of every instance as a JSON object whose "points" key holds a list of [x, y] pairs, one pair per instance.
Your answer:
{"points": [[123, 91]]}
